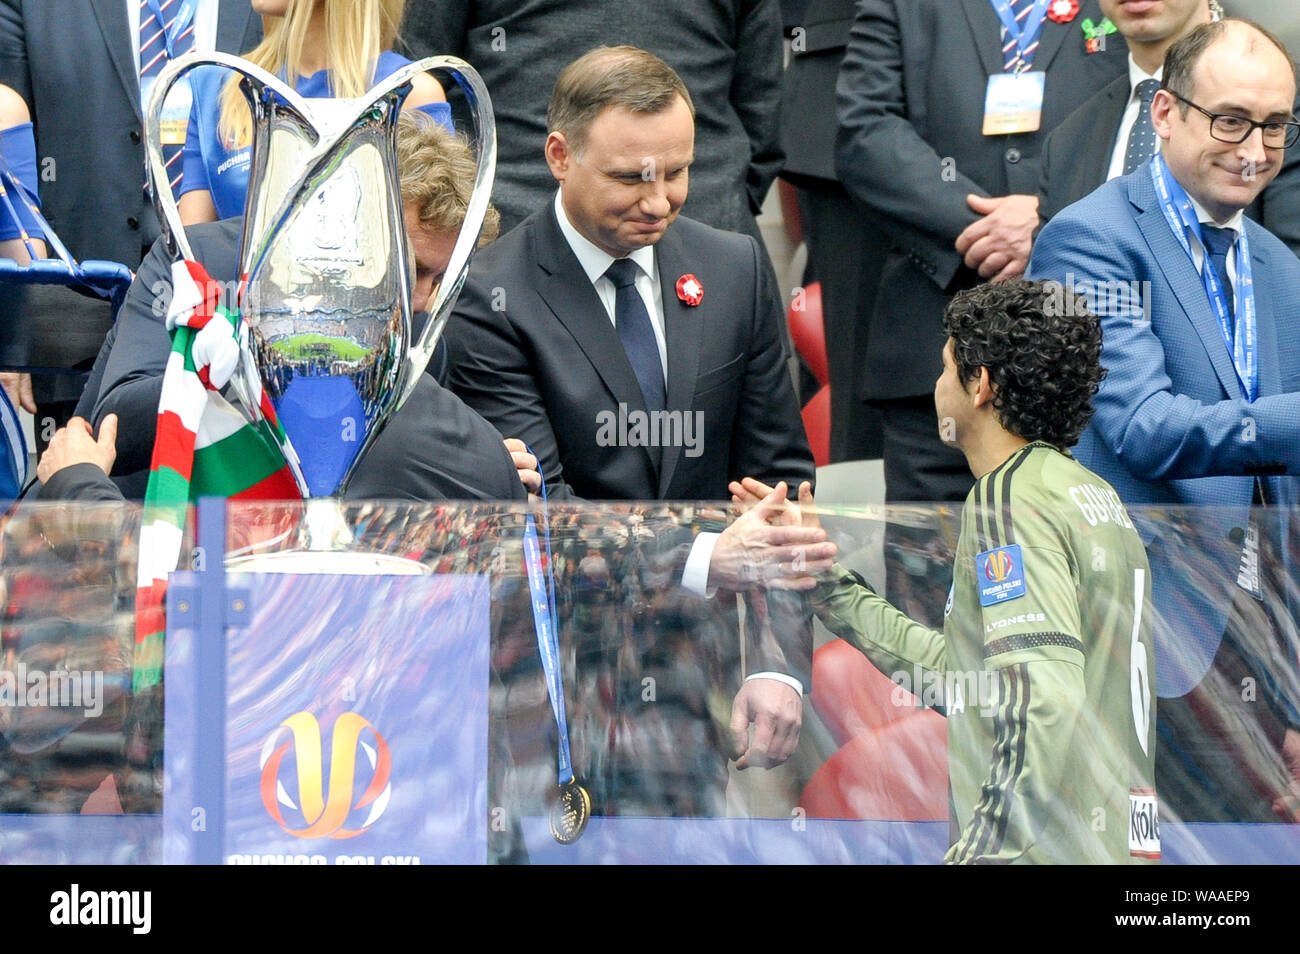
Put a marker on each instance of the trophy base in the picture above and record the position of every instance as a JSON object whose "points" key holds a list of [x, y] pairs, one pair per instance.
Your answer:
{"points": [[327, 561]]}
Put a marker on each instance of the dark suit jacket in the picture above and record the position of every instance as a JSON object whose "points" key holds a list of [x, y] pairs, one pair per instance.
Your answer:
{"points": [[728, 53], [1076, 158], [911, 147], [533, 350], [433, 448], [72, 61]]}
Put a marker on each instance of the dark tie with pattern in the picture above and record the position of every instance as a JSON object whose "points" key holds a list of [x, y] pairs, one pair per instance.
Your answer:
{"points": [[1218, 242], [1142, 137], [637, 333], [153, 59], [1010, 51]]}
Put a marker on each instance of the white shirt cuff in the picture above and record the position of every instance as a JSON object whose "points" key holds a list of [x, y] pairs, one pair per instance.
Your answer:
{"points": [[695, 576], [790, 681]]}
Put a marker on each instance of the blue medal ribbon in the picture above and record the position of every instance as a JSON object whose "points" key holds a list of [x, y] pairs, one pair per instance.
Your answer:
{"points": [[542, 599], [1025, 34], [184, 16], [1241, 341]]}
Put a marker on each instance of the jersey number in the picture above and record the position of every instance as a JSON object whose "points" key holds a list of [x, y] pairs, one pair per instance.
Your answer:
{"points": [[1139, 681]]}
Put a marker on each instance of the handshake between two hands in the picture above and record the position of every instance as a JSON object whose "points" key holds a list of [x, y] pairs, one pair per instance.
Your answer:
{"points": [[775, 542]]}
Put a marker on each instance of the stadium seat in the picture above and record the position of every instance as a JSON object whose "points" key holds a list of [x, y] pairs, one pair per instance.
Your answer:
{"points": [[852, 696], [809, 334], [898, 772]]}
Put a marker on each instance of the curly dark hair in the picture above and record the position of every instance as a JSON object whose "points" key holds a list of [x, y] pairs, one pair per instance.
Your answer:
{"points": [[1042, 347]]}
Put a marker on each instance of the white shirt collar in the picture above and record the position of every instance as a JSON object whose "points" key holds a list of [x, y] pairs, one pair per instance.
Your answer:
{"points": [[1137, 74], [1204, 217], [595, 261]]}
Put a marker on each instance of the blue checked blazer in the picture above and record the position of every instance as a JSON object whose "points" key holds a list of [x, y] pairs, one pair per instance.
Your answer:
{"points": [[1171, 426]]}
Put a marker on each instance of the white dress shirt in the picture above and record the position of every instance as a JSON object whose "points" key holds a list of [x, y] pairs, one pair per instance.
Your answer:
{"points": [[596, 261], [1136, 74]]}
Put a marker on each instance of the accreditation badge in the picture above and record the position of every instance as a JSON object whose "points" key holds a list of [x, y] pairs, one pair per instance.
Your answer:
{"points": [[1013, 103], [176, 111]]}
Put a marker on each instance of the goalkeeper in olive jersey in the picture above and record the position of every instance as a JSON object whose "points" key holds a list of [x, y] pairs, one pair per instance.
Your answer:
{"points": [[1045, 658]]}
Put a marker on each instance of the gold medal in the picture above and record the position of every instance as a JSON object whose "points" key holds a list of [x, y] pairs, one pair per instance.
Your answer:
{"points": [[570, 813]]}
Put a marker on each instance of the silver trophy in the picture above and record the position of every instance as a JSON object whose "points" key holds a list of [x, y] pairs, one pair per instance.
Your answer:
{"points": [[327, 282]]}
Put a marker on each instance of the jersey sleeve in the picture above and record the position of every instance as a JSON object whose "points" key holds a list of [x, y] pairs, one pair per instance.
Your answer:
{"points": [[1028, 600], [852, 610]]}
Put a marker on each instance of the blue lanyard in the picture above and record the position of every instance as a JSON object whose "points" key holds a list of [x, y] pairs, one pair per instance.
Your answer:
{"points": [[184, 16], [1242, 342], [1025, 34], [542, 599]]}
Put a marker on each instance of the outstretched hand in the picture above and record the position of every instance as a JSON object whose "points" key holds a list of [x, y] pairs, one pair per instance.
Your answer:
{"points": [[749, 491], [770, 544]]}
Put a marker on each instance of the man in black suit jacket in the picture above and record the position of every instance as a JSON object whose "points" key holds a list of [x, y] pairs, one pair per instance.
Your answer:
{"points": [[76, 63], [534, 346], [959, 206], [1089, 147]]}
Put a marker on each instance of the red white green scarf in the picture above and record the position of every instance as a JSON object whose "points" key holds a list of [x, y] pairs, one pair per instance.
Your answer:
{"points": [[204, 448]]}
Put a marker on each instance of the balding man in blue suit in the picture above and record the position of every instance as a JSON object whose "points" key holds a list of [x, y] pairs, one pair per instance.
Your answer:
{"points": [[1201, 407]]}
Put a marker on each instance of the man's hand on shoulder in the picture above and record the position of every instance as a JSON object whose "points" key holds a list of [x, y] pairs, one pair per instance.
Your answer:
{"points": [[775, 711], [18, 388], [75, 443], [526, 465]]}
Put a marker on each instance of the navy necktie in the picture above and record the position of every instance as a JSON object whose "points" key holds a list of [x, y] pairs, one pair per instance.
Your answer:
{"points": [[1218, 242], [1010, 49], [1142, 137], [637, 333]]}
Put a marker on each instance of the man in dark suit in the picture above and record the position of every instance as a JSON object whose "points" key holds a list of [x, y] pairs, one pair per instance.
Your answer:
{"points": [[1200, 414], [638, 352], [846, 246], [959, 205], [1077, 159], [728, 52], [77, 65]]}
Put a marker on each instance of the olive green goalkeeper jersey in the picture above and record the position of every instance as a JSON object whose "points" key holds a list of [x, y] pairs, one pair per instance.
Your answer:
{"points": [[1045, 667]]}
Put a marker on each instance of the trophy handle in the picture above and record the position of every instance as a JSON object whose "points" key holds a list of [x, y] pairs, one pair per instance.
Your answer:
{"points": [[246, 382], [169, 217], [485, 151]]}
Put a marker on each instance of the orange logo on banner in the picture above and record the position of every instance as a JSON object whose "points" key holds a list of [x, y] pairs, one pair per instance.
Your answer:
{"points": [[325, 819], [997, 566]]}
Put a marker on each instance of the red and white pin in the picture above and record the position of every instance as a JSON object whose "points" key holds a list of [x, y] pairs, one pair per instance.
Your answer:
{"points": [[1062, 11], [690, 290]]}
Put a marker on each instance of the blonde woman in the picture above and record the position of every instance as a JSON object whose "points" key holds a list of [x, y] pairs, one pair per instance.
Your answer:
{"points": [[323, 48]]}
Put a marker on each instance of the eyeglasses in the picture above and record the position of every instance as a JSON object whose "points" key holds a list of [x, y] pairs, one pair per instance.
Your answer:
{"points": [[1237, 129]]}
